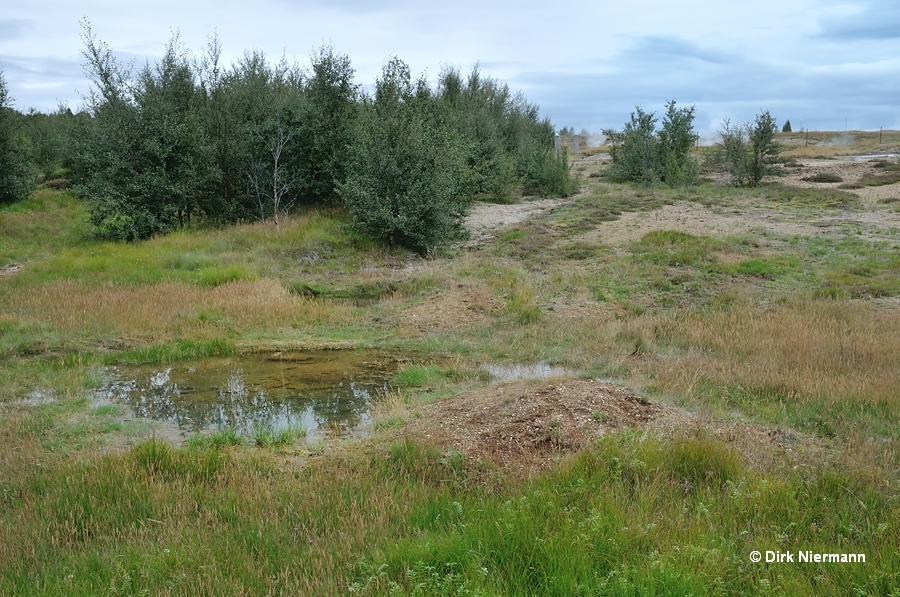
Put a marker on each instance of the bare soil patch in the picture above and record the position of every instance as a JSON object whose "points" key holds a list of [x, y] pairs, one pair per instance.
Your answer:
{"points": [[696, 219], [528, 424], [10, 270], [851, 169], [486, 219], [450, 310]]}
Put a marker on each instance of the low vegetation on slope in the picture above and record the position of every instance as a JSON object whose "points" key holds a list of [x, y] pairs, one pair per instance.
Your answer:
{"points": [[729, 373]]}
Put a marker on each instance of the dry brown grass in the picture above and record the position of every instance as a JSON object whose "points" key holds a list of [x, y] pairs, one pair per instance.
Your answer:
{"points": [[807, 350], [170, 309]]}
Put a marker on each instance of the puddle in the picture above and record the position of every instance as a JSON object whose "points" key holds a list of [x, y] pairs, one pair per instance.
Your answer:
{"points": [[328, 393], [520, 371]]}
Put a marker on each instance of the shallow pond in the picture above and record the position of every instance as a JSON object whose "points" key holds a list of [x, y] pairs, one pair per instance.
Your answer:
{"points": [[327, 393]]}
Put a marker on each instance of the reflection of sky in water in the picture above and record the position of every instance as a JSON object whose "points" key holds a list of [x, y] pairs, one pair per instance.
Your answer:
{"points": [[326, 393]]}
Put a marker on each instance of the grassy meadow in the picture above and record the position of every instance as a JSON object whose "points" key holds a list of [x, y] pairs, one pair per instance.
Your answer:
{"points": [[777, 340]]}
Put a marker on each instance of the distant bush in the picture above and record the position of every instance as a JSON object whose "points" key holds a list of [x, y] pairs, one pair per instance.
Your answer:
{"points": [[749, 150], [823, 177], [642, 154], [508, 148], [787, 126]]}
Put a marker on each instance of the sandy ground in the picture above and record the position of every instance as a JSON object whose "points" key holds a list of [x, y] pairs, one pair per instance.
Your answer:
{"points": [[487, 220], [526, 425]]}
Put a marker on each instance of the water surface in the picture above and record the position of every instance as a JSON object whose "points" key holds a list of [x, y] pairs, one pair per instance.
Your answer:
{"points": [[328, 393]]}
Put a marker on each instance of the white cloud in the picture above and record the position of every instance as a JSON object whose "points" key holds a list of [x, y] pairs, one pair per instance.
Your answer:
{"points": [[585, 64]]}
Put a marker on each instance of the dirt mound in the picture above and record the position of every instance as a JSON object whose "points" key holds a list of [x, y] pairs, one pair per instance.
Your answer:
{"points": [[451, 310], [527, 424]]}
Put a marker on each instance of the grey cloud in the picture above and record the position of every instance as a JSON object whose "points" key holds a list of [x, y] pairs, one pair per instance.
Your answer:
{"points": [[43, 82], [664, 49], [48, 67], [11, 29], [879, 20], [820, 99]]}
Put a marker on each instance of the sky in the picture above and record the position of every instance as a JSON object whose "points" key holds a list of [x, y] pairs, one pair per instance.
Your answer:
{"points": [[822, 64]]}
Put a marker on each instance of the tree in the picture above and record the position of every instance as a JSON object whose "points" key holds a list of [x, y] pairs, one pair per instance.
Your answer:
{"points": [[405, 169], [787, 126], [145, 159], [764, 148], [49, 136], [507, 147], [16, 171], [325, 126], [270, 181], [641, 154], [750, 149], [676, 139]]}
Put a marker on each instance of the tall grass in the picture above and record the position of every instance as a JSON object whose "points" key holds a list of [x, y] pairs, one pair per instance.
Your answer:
{"points": [[167, 310], [807, 349], [632, 515]]}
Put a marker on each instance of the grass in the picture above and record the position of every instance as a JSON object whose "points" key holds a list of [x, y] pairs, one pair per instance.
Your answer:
{"points": [[630, 514], [782, 348], [269, 437], [62, 224]]}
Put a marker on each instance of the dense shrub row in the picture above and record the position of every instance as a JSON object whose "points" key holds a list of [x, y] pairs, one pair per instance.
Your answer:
{"points": [[16, 172], [190, 140]]}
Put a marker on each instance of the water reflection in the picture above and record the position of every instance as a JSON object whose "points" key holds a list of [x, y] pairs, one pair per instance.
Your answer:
{"points": [[328, 393]]}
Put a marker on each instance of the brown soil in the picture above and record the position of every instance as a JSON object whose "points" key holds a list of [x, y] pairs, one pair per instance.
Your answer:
{"points": [[449, 310], [696, 219], [528, 424]]}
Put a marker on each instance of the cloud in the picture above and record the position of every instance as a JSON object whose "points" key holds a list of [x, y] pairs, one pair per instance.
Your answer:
{"points": [[42, 82], [658, 50], [11, 29], [877, 20], [721, 85]]}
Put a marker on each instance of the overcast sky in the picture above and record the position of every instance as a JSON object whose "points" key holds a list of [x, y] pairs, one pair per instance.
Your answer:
{"points": [[823, 64]]}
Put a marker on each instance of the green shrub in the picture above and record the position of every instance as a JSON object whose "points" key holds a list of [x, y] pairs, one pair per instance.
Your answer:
{"points": [[823, 177], [406, 171], [16, 172], [641, 154], [749, 150]]}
